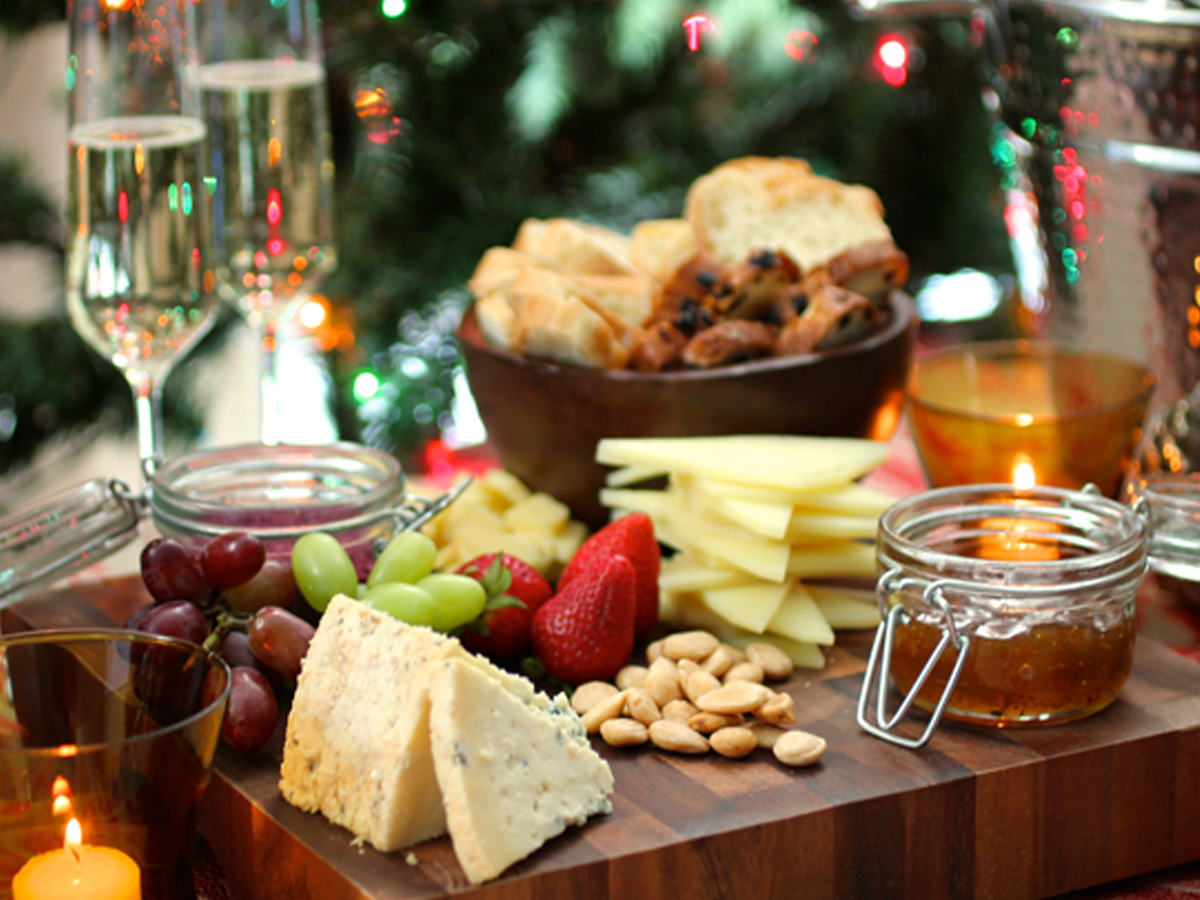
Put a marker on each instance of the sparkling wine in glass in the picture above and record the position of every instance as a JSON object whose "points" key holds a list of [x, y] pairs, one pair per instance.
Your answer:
{"points": [[262, 84], [140, 282]]}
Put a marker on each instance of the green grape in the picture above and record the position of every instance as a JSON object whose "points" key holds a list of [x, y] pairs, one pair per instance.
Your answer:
{"points": [[459, 598], [322, 568], [405, 602], [408, 558]]}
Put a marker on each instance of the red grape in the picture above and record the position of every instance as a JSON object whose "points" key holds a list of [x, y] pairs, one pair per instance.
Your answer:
{"points": [[273, 585], [231, 559], [177, 619], [235, 650], [134, 622], [172, 571], [280, 639], [251, 713]]}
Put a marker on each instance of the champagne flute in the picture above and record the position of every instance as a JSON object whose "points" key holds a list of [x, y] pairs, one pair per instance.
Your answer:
{"points": [[262, 86], [138, 276]]}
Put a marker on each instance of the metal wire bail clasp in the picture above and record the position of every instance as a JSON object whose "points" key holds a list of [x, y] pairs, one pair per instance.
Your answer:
{"points": [[875, 679]]}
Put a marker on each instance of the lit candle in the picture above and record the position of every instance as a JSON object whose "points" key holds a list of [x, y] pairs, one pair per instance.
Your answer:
{"points": [[1024, 475], [78, 872]]}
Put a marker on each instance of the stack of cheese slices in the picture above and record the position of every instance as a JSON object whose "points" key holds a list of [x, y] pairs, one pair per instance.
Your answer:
{"points": [[753, 519]]}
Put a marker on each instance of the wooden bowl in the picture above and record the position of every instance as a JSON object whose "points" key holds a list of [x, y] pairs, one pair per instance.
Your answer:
{"points": [[544, 419]]}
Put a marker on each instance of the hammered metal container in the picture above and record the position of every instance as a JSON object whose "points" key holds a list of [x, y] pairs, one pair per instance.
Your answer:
{"points": [[1098, 103]]}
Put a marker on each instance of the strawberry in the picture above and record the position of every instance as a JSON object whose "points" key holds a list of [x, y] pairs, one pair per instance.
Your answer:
{"points": [[515, 591], [585, 631], [632, 536]]}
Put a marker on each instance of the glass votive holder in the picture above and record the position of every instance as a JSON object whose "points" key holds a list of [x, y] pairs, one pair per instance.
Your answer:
{"points": [[1027, 413], [1171, 506], [1003, 606], [106, 745]]}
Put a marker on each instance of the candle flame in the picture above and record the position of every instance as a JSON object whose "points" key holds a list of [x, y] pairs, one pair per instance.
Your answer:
{"points": [[1023, 473], [61, 787], [61, 806], [73, 838]]}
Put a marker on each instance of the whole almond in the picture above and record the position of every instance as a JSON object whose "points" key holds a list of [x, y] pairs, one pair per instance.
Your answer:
{"points": [[664, 664], [689, 645], [779, 710], [653, 651], [735, 697], [798, 748], [708, 722], [677, 737], [745, 671], [589, 694], [698, 684], [623, 732], [686, 667], [766, 733], [679, 711], [738, 654], [641, 706], [632, 676], [776, 664], [663, 685], [608, 708], [733, 742], [719, 661]]}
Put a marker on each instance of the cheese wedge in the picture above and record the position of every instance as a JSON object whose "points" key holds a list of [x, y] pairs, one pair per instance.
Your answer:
{"points": [[509, 781], [846, 607], [359, 747], [798, 617]]}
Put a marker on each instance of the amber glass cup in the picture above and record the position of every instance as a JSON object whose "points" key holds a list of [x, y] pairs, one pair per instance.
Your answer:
{"points": [[1027, 413], [111, 735]]}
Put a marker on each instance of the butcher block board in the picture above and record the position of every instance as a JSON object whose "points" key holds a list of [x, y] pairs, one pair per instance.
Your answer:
{"points": [[978, 813]]}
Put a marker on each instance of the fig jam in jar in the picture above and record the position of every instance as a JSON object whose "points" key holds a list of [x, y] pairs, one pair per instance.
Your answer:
{"points": [[1005, 606]]}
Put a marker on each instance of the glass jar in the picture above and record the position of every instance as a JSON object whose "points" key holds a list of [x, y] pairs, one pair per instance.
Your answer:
{"points": [[1171, 503], [279, 493], [276, 492], [1004, 606]]}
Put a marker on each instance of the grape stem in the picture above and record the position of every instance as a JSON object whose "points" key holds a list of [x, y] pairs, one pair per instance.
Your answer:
{"points": [[226, 622]]}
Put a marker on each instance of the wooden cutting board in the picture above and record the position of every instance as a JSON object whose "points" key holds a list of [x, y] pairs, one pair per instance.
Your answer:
{"points": [[978, 813]]}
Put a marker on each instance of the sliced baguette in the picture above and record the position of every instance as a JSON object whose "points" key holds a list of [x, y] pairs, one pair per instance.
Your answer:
{"points": [[761, 204]]}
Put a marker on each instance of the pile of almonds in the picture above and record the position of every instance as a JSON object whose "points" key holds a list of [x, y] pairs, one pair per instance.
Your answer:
{"points": [[699, 694]]}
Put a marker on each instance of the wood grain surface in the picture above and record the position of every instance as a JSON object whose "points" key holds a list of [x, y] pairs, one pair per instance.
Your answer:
{"points": [[978, 813]]}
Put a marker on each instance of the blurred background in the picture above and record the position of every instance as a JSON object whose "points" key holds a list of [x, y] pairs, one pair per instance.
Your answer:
{"points": [[453, 120]]}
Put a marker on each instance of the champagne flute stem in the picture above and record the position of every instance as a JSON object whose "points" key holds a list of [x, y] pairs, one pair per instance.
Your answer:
{"points": [[269, 382], [147, 400]]}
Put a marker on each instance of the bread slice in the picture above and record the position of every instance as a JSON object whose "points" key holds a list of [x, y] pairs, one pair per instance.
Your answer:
{"points": [[660, 246], [628, 296], [565, 329], [509, 780], [498, 268], [575, 246], [497, 320], [763, 204], [543, 282]]}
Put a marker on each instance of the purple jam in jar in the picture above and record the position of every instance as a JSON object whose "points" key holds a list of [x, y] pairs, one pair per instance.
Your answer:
{"points": [[281, 492]]}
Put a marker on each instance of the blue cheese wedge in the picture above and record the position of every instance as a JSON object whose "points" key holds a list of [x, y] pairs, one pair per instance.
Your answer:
{"points": [[511, 775], [359, 744]]}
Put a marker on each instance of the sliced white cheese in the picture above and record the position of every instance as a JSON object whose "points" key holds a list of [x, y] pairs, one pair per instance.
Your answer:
{"points": [[832, 559], [689, 572], [780, 461], [628, 475], [733, 546], [846, 607], [798, 618], [509, 779], [851, 499], [808, 525], [802, 654], [750, 606]]}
